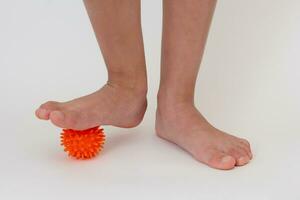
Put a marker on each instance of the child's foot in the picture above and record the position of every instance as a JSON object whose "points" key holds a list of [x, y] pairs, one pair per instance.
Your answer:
{"points": [[183, 125], [111, 105]]}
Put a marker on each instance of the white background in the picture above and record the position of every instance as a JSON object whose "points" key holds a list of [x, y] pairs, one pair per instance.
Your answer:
{"points": [[248, 85]]}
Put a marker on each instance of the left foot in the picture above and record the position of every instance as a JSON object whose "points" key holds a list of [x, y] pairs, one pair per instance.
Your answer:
{"points": [[111, 105], [183, 125]]}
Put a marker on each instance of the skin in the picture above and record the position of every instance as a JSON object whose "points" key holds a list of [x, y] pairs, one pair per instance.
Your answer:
{"points": [[122, 101]]}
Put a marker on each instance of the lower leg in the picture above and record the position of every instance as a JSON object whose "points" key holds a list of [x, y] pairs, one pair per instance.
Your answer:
{"points": [[185, 28], [117, 25], [122, 101]]}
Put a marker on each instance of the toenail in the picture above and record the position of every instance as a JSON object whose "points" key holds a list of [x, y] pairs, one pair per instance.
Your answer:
{"points": [[226, 159]]}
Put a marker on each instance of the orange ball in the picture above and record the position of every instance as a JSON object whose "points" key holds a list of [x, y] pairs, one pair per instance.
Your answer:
{"points": [[83, 144]]}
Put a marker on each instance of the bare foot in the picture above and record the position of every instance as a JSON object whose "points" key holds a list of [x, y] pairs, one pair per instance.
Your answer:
{"points": [[184, 125], [111, 105]]}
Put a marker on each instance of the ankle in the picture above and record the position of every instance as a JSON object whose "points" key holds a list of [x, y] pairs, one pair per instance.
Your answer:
{"points": [[170, 103], [173, 111], [135, 83]]}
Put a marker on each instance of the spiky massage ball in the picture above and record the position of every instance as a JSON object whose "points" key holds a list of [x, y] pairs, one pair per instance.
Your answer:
{"points": [[83, 144]]}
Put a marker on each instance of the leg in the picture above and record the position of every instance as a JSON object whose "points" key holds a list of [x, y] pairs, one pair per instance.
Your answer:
{"points": [[185, 29], [122, 101]]}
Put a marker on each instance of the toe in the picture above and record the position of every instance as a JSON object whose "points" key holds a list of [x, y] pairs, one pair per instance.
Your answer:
{"points": [[58, 119], [50, 105], [242, 161], [246, 148], [245, 142], [42, 113], [222, 161], [63, 119], [247, 151], [240, 154]]}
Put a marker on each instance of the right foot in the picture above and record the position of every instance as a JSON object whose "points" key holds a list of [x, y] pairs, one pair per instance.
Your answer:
{"points": [[111, 105], [184, 125]]}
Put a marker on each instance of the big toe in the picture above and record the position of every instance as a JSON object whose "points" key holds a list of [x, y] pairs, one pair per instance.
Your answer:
{"points": [[222, 161], [63, 119], [43, 112]]}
